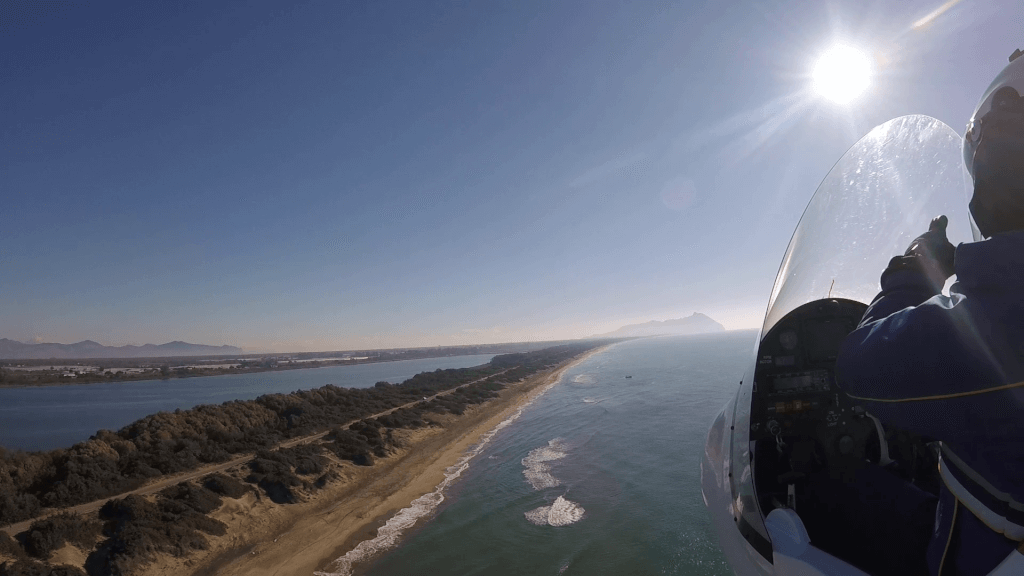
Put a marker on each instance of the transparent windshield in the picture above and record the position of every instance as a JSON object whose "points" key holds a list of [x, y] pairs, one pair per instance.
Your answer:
{"points": [[880, 196]]}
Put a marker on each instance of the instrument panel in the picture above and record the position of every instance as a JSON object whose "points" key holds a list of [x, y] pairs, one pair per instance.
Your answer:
{"points": [[801, 423], [795, 391]]}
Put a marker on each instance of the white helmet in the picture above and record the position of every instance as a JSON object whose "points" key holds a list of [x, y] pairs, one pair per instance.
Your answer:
{"points": [[998, 172]]}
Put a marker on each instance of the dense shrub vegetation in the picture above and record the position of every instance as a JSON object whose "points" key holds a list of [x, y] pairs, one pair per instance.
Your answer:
{"points": [[225, 486], [138, 529], [280, 472], [36, 568], [50, 534]]}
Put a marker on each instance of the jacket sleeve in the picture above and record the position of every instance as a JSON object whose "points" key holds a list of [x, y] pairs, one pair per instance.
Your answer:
{"points": [[907, 346], [902, 287]]}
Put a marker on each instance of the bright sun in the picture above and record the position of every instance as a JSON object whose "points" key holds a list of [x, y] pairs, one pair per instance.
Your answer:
{"points": [[842, 73]]}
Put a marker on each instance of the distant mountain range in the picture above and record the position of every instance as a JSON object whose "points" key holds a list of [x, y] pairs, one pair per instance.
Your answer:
{"points": [[696, 324], [14, 350]]}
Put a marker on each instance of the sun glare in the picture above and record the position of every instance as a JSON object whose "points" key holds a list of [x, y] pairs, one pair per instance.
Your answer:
{"points": [[842, 74]]}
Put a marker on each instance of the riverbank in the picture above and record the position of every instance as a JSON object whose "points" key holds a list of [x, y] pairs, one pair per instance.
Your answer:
{"points": [[264, 538]]}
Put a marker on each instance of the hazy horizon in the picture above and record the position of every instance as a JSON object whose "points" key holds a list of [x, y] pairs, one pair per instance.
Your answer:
{"points": [[246, 350], [315, 175]]}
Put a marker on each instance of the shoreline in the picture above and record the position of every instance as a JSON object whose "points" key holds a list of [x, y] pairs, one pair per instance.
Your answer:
{"points": [[274, 540]]}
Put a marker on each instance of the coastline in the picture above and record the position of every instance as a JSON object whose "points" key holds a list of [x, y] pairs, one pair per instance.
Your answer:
{"points": [[269, 539]]}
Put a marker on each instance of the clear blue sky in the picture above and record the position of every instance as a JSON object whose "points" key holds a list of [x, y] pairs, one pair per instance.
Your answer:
{"points": [[335, 175]]}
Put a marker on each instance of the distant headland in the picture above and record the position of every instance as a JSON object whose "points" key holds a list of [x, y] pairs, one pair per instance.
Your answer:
{"points": [[696, 323], [14, 350]]}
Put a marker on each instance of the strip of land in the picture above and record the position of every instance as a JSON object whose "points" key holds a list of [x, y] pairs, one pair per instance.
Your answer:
{"points": [[171, 480], [253, 531], [268, 540], [23, 373]]}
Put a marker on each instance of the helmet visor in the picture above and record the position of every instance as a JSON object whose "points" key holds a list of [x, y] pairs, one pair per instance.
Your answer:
{"points": [[999, 117]]}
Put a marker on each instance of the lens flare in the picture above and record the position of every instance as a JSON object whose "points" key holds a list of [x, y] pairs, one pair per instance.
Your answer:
{"points": [[842, 74]]}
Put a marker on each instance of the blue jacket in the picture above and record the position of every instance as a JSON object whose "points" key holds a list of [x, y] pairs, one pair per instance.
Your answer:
{"points": [[951, 368]]}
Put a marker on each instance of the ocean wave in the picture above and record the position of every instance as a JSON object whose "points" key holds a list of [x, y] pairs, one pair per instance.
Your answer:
{"points": [[536, 467], [389, 534], [583, 379], [561, 513], [589, 400]]}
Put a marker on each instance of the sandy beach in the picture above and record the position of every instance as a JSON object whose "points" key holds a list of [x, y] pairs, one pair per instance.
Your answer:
{"points": [[265, 539]]}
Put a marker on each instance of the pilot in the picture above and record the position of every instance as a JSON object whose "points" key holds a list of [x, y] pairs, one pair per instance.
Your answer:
{"points": [[951, 368]]}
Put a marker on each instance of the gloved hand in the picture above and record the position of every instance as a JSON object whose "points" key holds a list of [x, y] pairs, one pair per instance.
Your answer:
{"points": [[930, 253]]}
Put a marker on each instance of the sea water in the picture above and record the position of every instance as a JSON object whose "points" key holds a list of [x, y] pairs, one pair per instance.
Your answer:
{"points": [[45, 417], [599, 475]]}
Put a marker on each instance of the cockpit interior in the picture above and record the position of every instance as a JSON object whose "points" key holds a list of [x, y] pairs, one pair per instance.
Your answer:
{"points": [[816, 451]]}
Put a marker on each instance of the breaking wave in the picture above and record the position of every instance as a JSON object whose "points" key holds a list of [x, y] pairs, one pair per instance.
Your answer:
{"points": [[391, 531], [589, 400], [561, 513], [583, 379], [536, 467]]}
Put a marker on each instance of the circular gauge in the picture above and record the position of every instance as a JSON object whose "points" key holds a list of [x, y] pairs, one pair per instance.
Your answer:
{"points": [[788, 339]]}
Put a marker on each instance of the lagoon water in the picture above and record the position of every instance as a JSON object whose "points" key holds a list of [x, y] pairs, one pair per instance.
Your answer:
{"points": [[41, 418], [600, 475]]}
